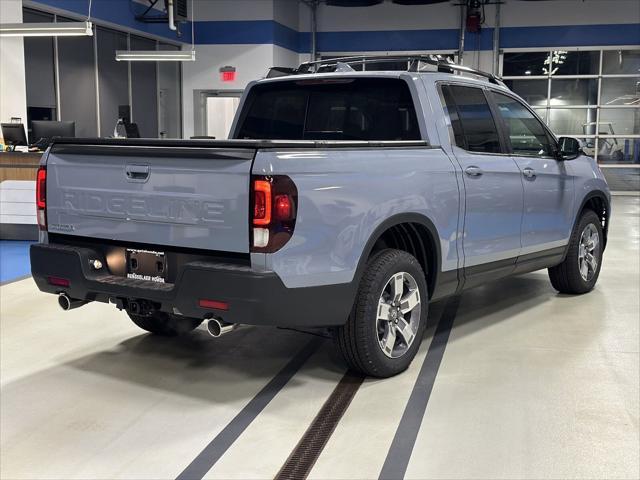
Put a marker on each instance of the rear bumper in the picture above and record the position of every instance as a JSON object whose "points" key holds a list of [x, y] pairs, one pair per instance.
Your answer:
{"points": [[254, 298]]}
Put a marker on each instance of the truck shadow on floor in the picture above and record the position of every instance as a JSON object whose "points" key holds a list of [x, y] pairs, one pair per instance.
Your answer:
{"points": [[194, 363]]}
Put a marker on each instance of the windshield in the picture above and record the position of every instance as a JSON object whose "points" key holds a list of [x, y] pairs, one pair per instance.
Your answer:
{"points": [[332, 109]]}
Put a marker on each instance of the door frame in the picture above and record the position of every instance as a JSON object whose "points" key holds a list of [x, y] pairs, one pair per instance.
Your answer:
{"points": [[200, 107]]}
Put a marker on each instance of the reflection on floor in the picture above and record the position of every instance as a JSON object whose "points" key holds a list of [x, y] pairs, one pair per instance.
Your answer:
{"points": [[532, 385]]}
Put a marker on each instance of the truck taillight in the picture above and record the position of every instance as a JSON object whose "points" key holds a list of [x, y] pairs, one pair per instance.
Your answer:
{"points": [[41, 197], [274, 212]]}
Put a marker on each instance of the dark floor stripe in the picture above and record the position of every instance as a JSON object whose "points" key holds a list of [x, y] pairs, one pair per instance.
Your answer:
{"points": [[197, 469], [395, 465], [304, 456]]}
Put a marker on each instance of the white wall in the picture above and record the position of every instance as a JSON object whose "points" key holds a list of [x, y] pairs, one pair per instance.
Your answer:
{"points": [[251, 62], [13, 94]]}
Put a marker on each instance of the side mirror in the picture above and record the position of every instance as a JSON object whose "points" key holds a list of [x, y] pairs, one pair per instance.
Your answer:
{"points": [[569, 147]]}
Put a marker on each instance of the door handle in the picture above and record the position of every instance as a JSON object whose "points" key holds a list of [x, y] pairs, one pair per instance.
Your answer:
{"points": [[529, 172], [473, 171], [137, 173]]}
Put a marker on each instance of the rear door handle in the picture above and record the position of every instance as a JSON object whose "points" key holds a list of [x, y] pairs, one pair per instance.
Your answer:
{"points": [[529, 172], [137, 173], [473, 171]]}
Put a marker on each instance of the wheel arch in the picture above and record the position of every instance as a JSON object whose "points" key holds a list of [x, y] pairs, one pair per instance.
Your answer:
{"points": [[598, 202], [411, 232]]}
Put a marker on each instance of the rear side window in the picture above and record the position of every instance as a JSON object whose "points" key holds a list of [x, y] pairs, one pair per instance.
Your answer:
{"points": [[336, 109], [473, 126]]}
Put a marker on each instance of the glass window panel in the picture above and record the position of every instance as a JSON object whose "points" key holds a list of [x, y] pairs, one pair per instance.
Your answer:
{"points": [[620, 62], [526, 133], [113, 77], [525, 63], [144, 91], [77, 83], [582, 91], [620, 91], [534, 92], [39, 73], [169, 96], [471, 119], [575, 63], [572, 121], [621, 121], [618, 150]]}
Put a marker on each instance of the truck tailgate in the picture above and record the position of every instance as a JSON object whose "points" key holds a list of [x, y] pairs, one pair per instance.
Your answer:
{"points": [[190, 197]]}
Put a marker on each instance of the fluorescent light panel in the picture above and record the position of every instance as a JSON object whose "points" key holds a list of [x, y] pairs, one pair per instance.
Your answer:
{"points": [[155, 56], [62, 29]]}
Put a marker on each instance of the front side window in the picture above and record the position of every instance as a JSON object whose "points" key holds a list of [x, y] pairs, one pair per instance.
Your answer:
{"points": [[333, 109], [471, 119], [526, 133]]}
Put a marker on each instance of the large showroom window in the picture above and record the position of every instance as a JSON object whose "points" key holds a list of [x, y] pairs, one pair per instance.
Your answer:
{"points": [[593, 94], [78, 79]]}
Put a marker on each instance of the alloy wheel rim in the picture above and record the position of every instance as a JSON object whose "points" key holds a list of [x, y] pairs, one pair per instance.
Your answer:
{"points": [[398, 314], [588, 252]]}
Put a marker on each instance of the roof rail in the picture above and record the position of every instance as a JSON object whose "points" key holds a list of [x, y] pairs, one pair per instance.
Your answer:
{"points": [[415, 63]]}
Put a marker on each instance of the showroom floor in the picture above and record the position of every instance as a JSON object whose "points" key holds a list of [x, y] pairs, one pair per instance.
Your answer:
{"points": [[531, 384]]}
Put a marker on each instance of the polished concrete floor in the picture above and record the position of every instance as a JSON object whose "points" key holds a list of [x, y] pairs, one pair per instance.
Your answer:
{"points": [[531, 384]]}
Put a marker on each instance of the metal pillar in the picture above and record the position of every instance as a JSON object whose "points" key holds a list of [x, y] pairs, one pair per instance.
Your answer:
{"points": [[496, 42], [463, 28]]}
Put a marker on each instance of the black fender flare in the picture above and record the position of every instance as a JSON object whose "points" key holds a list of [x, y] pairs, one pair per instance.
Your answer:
{"points": [[589, 196], [393, 221]]}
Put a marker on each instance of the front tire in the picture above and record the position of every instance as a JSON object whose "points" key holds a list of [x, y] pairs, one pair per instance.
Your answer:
{"points": [[385, 328], [165, 324], [580, 270]]}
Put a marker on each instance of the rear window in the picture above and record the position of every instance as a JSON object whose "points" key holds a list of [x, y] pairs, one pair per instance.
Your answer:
{"points": [[349, 109]]}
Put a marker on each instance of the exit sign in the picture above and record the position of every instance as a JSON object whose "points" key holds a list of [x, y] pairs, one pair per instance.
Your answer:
{"points": [[228, 74]]}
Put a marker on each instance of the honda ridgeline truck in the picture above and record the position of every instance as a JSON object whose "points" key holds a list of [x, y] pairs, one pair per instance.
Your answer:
{"points": [[344, 199]]}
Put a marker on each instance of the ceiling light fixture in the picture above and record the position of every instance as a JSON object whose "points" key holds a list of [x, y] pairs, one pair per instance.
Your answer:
{"points": [[155, 56], [68, 29], [57, 29]]}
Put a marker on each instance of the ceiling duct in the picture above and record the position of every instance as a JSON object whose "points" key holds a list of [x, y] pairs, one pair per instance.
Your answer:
{"points": [[353, 3]]}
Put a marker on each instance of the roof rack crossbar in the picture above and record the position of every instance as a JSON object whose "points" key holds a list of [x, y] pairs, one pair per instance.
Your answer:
{"points": [[414, 64]]}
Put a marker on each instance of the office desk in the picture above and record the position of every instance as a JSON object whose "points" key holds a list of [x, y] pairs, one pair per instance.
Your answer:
{"points": [[19, 166]]}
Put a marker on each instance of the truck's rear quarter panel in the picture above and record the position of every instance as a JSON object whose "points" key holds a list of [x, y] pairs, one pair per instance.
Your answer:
{"points": [[345, 194]]}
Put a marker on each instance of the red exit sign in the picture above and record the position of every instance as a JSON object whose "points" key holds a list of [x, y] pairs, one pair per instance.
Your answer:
{"points": [[228, 74]]}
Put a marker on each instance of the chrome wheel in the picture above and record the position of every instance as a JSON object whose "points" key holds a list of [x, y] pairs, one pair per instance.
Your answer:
{"points": [[588, 252], [398, 315]]}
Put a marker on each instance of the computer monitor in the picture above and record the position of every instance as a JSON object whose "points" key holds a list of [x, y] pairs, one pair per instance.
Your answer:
{"points": [[48, 129], [132, 130], [13, 134]]}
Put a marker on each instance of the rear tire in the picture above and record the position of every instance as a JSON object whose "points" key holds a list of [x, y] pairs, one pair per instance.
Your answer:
{"points": [[165, 324], [579, 272], [385, 328]]}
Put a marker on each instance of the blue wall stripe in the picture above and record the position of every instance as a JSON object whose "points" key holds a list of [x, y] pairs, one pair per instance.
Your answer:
{"points": [[570, 35], [269, 31]]}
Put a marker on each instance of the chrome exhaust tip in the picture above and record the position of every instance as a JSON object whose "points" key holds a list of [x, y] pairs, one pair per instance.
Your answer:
{"points": [[66, 303], [217, 327]]}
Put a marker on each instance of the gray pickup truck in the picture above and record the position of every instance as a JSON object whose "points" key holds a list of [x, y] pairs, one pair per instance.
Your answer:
{"points": [[347, 200]]}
